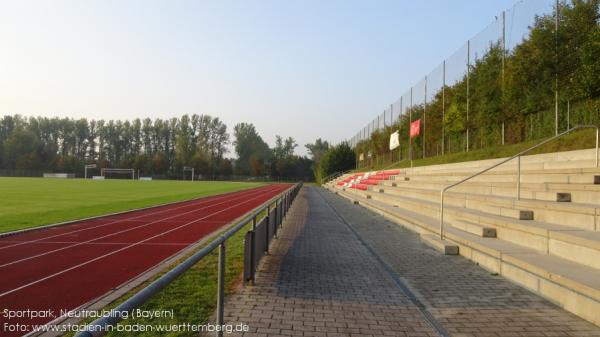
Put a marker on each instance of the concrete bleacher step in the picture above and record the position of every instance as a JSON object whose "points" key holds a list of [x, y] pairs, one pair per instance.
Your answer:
{"points": [[571, 285], [490, 204], [474, 228], [526, 177], [582, 193], [567, 159], [579, 215], [447, 248], [503, 169], [531, 233]]}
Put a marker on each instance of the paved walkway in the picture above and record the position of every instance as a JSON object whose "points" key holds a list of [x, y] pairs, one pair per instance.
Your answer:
{"points": [[339, 270]]}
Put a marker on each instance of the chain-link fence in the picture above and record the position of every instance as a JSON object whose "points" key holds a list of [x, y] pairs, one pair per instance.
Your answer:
{"points": [[529, 74]]}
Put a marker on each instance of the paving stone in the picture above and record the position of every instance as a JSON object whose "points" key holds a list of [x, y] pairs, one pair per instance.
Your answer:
{"points": [[319, 279], [463, 297]]}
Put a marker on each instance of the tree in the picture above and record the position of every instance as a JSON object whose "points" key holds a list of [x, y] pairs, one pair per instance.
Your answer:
{"points": [[337, 159], [251, 150], [21, 150], [284, 159], [317, 149]]}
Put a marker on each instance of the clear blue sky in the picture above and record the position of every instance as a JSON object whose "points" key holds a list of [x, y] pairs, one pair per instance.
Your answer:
{"points": [[304, 69]]}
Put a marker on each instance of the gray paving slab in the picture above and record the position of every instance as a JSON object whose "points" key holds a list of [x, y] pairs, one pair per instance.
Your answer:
{"points": [[337, 269], [320, 280], [465, 298]]}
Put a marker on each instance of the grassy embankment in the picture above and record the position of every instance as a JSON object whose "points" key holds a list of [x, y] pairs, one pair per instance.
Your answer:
{"points": [[583, 139]]}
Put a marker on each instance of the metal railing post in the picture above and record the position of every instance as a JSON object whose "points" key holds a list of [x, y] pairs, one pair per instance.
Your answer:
{"points": [[597, 138], [442, 214], [267, 229], [221, 290], [253, 251], [268, 213], [519, 178], [278, 213]]}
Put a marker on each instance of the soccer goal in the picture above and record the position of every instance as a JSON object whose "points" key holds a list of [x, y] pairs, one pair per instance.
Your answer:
{"points": [[116, 172], [86, 168], [187, 168]]}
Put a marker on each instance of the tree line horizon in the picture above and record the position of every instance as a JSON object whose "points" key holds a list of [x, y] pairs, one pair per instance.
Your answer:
{"points": [[155, 147]]}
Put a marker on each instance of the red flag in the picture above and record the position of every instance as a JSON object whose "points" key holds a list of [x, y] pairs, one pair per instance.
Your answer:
{"points": [[415, 128]]}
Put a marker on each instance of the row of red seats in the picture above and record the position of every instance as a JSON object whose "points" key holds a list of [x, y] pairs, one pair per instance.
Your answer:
{"points": [[371, 180], [350, 178]]}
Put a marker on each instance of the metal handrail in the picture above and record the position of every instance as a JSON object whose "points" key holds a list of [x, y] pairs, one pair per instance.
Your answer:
{"points": [[325, 180], [98, 327], [333, 176], [518, 156]]}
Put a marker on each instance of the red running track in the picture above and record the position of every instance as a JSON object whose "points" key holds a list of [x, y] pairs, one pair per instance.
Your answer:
{"points": [[63, 267]]}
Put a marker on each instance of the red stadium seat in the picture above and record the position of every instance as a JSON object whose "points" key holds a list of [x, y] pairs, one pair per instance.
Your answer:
{"points": [[389, 172], [370, 181], [379, 177]]}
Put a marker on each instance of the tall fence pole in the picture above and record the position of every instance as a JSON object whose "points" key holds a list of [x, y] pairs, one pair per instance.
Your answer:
{"points": [[410, 154], [424, 117], [443, 104], [468, 75], [400, 124], [556, 23], [503, 67]]}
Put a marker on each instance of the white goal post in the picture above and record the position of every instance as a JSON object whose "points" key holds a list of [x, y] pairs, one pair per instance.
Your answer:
{"points": [[103, 171], [187, 168], [86, 168]]}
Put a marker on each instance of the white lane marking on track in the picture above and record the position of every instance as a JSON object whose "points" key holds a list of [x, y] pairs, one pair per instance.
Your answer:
{"points": [[120, 250], [76, 244], [210, 198], [107, 243]]}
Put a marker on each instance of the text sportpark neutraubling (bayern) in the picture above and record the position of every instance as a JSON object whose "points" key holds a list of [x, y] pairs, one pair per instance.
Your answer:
{"points": [[52, 314]]}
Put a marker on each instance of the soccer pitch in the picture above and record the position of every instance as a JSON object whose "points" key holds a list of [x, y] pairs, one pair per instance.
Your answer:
{"points": [[32, 202]]}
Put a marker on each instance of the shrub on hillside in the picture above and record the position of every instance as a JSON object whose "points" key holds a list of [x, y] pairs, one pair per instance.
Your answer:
{"points": [[337, 158]]}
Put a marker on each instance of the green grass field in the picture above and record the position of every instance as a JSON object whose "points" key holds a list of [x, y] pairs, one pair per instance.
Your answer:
{"points": [[31, 202]]}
